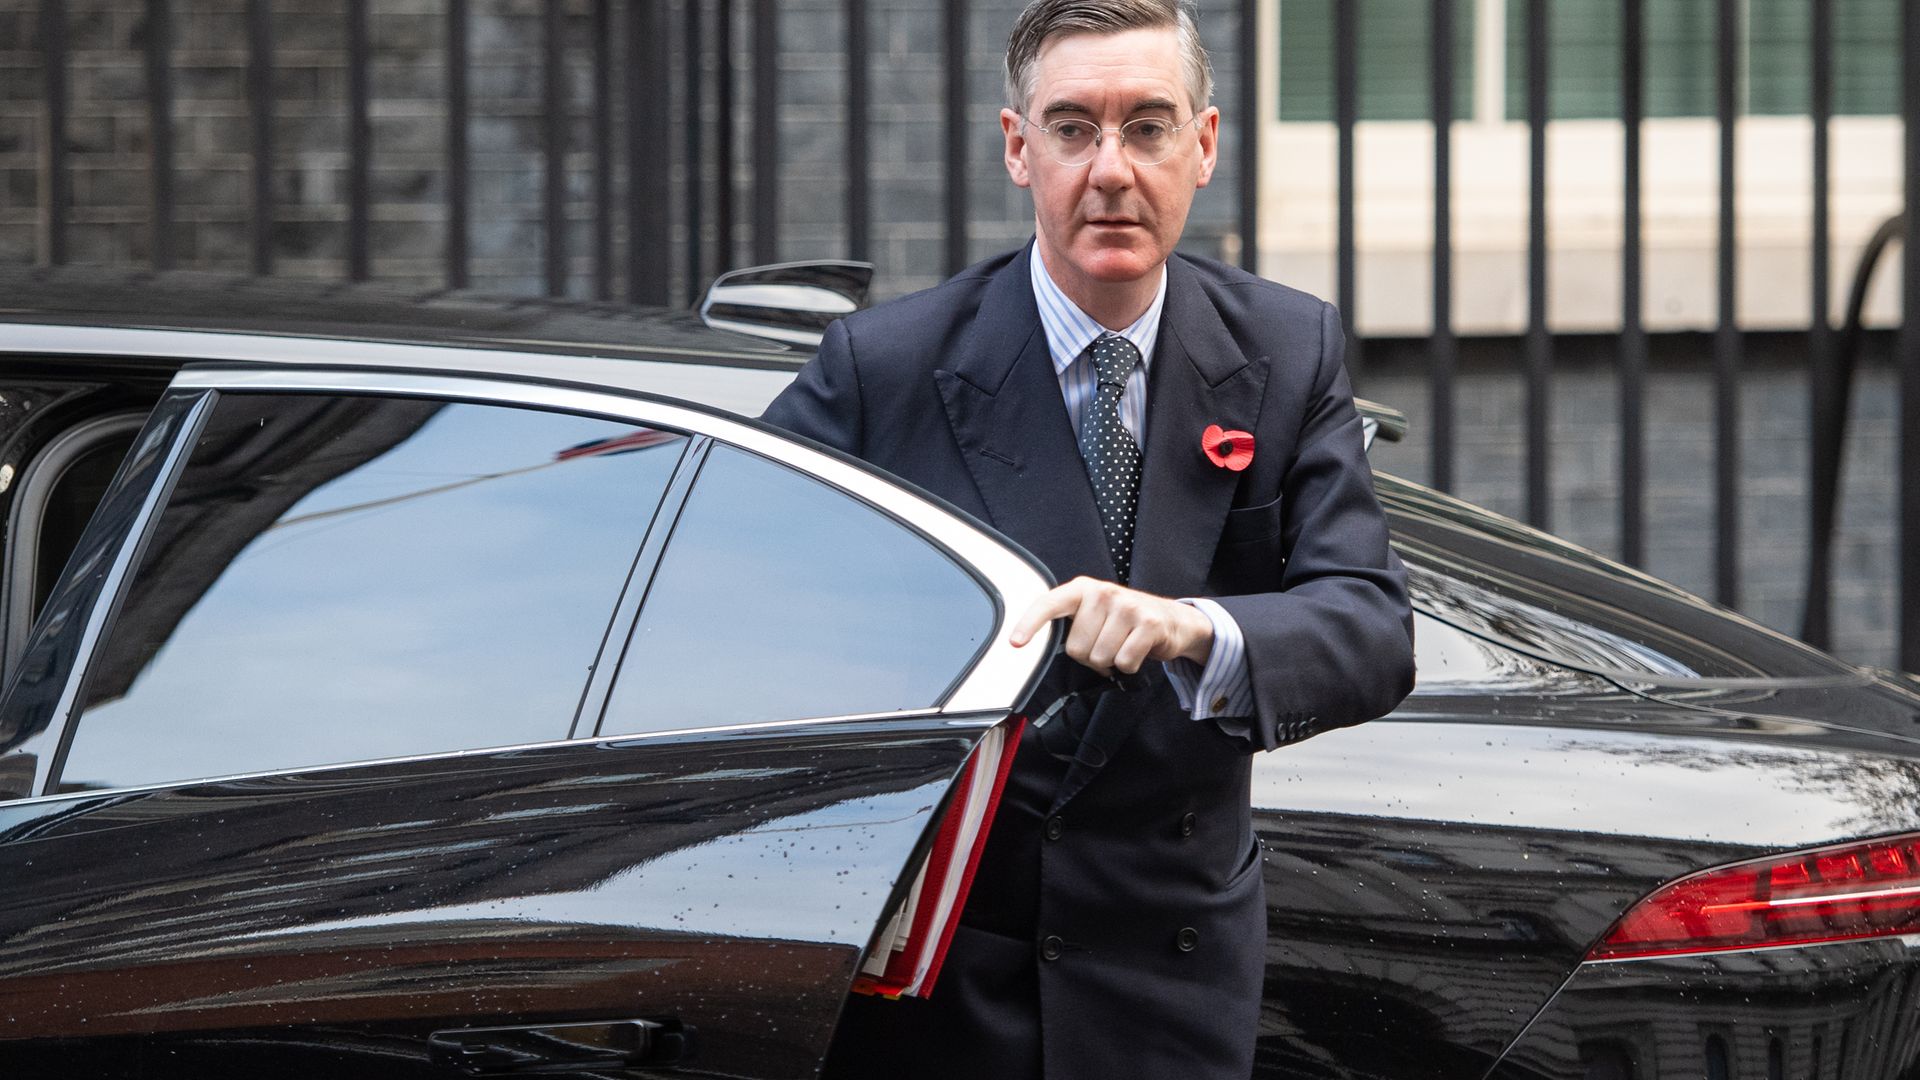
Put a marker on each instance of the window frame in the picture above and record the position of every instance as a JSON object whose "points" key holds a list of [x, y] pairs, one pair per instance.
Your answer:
{"points": [[21, 569], [998, 679], [626, 625], [1542, 677], [180, 452]]}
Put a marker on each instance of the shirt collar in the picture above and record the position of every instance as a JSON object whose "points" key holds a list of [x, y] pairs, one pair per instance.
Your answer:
{"points": [[1070, 330]]}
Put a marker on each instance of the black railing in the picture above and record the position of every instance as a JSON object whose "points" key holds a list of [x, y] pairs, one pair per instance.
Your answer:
{"points": [[1827, 391], [1633, 332], [359, 143], [458, 204], [260, 130], [639, 117], [649, 193], [1346, 111], [1908, 528], [1539, 339], [56, 179], [1444, 362], [1833, 377]]}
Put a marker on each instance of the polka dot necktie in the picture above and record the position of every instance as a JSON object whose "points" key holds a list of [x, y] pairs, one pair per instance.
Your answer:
{"points": [[1113, 458]]}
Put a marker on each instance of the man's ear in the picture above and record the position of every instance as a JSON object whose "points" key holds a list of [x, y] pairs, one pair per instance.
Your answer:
{"points": [[1209, 124], [1016, 158]]}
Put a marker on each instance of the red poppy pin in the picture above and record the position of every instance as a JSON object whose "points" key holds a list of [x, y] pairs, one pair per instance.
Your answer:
{"points": [[1227, 449]]}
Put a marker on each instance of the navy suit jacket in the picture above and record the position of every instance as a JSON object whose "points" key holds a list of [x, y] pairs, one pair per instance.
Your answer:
{"points": [[1120, 892]]}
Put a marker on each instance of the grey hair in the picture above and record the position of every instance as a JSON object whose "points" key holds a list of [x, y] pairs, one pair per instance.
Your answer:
{"points": [[1045, 19]]}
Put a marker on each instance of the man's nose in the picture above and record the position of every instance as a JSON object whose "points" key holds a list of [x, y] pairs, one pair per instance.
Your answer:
{"points": [[1111, 168]]}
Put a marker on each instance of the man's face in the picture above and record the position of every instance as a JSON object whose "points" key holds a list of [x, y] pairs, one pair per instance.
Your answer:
{"points": [[1110, 220]]}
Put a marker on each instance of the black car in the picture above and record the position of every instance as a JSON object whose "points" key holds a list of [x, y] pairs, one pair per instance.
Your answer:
{"points": [[447, 686]]}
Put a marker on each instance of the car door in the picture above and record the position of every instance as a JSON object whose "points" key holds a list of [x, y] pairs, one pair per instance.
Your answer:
{"points": [[428, 724]]}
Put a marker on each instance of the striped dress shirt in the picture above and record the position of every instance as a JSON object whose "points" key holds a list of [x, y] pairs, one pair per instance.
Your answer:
{"points": [[1222, 687]]}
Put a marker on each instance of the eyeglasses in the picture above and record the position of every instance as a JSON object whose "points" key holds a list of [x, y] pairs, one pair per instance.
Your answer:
{"points": [[1146, 140]]}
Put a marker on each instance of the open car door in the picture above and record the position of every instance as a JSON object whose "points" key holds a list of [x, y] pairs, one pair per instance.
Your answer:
{"points": [[437, 725]]}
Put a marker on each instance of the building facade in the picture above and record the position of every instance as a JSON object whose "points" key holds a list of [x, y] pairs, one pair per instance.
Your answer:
{"points": [[600, 141]]}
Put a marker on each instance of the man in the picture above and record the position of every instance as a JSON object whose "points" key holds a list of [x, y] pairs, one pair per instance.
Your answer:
{"points": [[1176, 440]]}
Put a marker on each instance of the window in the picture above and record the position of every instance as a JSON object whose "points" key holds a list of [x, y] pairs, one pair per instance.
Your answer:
{"points": [[1584, 61], [1866, 57], [1580, 640], [1584, 64], [779, 597], [1392, 76], [344, 578], [1450, 661], [1608, 1059]]}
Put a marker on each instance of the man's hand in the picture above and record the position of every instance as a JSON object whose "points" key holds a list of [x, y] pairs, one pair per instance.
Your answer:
{"points": [[1116, 629]]}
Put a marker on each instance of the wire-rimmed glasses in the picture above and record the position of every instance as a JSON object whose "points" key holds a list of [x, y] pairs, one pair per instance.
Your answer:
{"points": [[1073, 140]]}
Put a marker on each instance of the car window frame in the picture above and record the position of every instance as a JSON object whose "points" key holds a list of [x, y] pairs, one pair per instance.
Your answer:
{"points": [[180, 453], [621, 641], [1549, 679], [20, 570], [999, 678], [105, 609]]}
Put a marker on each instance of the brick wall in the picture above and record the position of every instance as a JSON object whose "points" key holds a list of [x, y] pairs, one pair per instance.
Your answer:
{"points": [[109, 138]]}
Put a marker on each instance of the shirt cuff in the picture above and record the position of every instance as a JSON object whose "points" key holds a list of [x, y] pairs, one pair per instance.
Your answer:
{"points": [[1224, 687]]}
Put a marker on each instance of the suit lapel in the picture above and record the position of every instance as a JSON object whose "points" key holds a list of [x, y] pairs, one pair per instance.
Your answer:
{"points": [[1199, 376], [1003, 403]]}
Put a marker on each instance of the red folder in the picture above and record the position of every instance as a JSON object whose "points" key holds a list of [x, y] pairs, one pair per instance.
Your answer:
{"points": [[907, 956]]}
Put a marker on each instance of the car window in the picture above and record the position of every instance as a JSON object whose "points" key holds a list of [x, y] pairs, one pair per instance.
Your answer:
{"points": [[779, 597], [1542, 596], [344, 578], [1536, 630], [1448, 660]]}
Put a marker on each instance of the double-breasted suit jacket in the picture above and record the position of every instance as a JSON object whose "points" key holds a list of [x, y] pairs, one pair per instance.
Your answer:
{"points": [[1116, 926]]}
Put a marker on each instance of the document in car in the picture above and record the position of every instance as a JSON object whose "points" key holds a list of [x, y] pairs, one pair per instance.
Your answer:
{"points": [[906, 956]]}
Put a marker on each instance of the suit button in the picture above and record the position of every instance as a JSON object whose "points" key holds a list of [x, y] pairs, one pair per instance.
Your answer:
{"points": [[1055, 827], [1051, 947], [1187, 938], [1187, 822]]}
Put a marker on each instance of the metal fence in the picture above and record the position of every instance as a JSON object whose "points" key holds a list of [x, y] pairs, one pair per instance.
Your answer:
{"points": [[632, 73]]}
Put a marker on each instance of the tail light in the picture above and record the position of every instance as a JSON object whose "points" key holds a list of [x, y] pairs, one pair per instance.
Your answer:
{"points": [[1860, 890]]}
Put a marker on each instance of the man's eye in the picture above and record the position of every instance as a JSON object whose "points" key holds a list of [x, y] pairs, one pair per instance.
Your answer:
{"points": [[1073, 131], [1149, 129]]}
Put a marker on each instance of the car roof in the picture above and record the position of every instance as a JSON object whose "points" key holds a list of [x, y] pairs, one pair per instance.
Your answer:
{"points": [[187, 317], [195, 300]]}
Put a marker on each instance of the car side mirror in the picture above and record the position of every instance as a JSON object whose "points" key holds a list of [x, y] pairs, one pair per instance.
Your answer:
{"points": [[790, 302]]}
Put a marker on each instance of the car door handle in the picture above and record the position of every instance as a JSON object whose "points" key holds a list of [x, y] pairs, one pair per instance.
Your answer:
{"points": [[533, 1048]]}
